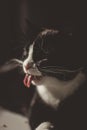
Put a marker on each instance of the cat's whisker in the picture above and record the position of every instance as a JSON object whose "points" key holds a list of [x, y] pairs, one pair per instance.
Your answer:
{"points": [[50, 71], [59, 69], [10, 65], [15, 61]]}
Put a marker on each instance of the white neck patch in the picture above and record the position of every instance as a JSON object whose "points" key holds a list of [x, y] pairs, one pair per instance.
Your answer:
{"points": [[52, 90]]}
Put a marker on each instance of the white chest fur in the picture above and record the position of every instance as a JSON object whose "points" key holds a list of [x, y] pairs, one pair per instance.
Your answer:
{"points": [[47, 96], [52, 90]]}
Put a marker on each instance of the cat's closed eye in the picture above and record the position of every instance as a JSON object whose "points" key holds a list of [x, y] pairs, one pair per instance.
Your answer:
{"points": [[42, 62]]}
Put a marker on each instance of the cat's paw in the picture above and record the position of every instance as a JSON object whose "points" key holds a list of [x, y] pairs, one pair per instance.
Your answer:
{"points": [[45, 126]]}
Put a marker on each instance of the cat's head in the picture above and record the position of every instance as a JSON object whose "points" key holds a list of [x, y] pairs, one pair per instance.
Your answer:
{"points": [[49, 55]]}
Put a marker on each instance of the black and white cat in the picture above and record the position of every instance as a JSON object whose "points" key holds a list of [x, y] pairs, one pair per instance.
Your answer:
{"points": [[60, 91], [56, 82]]}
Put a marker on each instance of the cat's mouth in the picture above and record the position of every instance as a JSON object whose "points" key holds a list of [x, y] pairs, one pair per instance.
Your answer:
{"points": [[29, 78]]}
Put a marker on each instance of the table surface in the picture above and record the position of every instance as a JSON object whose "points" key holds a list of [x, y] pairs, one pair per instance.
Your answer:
{"points": [[12, 121]]}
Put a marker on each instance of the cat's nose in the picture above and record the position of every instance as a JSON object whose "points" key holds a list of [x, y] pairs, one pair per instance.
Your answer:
{"points": [[28, 66]]}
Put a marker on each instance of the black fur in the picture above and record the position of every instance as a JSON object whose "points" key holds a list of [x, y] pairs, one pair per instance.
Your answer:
{"points": [[70, 115]]}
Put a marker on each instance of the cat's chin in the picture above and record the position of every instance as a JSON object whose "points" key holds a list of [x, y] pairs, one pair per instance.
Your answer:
{"points": [[37, 80]]}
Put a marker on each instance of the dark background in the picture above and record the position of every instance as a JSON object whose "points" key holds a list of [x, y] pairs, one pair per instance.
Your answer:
{"points": [[13, 14]]}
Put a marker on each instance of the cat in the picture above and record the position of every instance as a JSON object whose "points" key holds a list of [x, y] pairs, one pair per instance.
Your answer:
{"points": [[50, 66], [56, 82]]}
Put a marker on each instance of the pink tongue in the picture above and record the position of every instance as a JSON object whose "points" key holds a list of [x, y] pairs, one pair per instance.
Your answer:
{"points": [[27, 80]]}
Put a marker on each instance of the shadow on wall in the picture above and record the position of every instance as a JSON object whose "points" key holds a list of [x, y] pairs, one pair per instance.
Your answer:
{"points": [[13, 94], [13, 16]]}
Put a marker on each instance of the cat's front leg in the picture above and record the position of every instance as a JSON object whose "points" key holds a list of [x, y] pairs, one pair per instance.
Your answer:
{"points": [[45, 126]]}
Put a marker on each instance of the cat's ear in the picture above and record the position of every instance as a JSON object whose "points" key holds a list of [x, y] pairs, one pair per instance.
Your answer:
{"points": [[32, 30], [10, 65]]}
